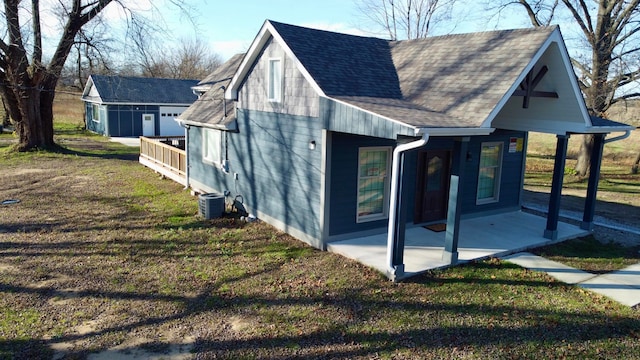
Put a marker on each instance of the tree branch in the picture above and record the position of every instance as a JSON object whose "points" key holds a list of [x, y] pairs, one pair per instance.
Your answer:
{"points": [[585, 29], [37, 33]]}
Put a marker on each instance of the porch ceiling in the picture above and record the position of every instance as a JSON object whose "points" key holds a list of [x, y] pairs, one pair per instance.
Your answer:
{"points": [[481, 237]]}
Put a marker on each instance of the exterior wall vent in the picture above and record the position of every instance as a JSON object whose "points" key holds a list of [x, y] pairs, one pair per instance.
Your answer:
{"points": [[210, 206]]}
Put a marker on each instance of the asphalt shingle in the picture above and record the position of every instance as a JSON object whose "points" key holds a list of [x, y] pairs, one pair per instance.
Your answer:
{"points": [[137, 90]]}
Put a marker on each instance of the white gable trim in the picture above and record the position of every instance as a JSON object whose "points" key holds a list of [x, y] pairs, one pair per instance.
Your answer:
{"points": [[554, 39], [86, 92], [266, 32]]}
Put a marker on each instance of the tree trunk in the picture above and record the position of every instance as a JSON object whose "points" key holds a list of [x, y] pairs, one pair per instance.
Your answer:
{"points": [[636, 164], [584, 156], [34, 122]]}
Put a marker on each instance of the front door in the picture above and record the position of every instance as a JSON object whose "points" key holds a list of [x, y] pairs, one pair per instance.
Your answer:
{"points": [[148, 125], [432, 192]]}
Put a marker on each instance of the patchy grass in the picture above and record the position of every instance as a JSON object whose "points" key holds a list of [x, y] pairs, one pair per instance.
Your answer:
{"points": [[101, 250], [591, 255]]}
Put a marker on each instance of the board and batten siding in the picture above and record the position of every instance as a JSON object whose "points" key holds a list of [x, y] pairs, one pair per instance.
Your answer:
{"points": [[298, 97], [278, 175], [126, 120]]}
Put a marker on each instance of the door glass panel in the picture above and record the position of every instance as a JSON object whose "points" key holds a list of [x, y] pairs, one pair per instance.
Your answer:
{"points": [[434, 174]]}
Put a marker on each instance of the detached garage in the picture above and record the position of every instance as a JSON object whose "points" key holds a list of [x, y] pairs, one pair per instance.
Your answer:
{"points": [[133, 106]]}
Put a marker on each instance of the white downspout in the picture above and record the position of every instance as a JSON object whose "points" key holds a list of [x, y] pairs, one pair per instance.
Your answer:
{"points": [[396, 177], [186, 152]]}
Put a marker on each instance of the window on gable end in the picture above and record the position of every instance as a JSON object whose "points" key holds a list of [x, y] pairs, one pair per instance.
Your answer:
{"points": [[275, 80]]}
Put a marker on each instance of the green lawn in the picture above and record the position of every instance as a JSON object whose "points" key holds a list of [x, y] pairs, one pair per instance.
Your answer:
{"points": [[101, 249]]}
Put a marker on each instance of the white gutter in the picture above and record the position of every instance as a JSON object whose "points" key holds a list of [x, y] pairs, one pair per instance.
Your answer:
{"points": [[186, 151], [620, 137], [396, 177]]}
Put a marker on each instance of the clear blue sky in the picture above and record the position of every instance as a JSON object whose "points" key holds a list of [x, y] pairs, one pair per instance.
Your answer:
{"points": [[230, 26]]}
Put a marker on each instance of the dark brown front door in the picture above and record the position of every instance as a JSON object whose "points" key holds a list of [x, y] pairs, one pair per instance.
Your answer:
{"points": [[433, 186]]}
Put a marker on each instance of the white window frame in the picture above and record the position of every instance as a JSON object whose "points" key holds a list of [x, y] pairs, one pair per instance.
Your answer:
{"points": [[212, 146], [274, 80], [95, 110], [497, 176], [385, 202]]}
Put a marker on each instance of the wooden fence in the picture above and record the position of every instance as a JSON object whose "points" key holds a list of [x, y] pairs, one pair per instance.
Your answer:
{"points": [[166, 155]]}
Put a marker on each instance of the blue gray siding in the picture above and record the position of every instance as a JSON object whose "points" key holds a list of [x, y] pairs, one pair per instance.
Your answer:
{"points": [[347, 119], [122, 120], [95, 126], [278, 175], [344, 178]]}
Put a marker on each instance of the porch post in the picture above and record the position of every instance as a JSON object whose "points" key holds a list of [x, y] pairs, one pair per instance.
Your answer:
{"points": [[551, 232], [397, 251], [594, 178], [450, 253]]}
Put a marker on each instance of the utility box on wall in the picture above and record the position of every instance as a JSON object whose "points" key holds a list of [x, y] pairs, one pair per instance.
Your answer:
{"points": [[211, 206]]}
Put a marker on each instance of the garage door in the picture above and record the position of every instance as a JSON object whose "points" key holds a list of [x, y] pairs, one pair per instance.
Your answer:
{"points": [[168, 126]]}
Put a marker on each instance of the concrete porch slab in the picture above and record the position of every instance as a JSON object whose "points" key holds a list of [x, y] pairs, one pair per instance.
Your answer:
{"points": [[480, 237]]}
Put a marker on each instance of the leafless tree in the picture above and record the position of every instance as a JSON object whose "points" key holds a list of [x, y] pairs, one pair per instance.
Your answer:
{"points": [[610, 62], [407, 19], [193, 59], [27, 81]]}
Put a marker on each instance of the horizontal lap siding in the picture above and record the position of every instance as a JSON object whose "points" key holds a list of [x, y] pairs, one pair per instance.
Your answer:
{"points": [[511, 175], [278, 174], [347, 119], [344, 182], [95, 126]]}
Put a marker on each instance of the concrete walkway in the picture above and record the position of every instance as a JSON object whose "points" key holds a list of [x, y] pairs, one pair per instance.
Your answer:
{"points": [[622, 286], [129, 141]]}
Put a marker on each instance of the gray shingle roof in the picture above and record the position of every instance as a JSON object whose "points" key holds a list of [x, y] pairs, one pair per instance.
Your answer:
{"points": [[209, 109], [136, 90], [341, 64], [453, 79], [465, 75], [224, 72]]}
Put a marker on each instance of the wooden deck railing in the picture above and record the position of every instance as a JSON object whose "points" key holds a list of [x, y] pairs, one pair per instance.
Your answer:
{"points": [[165, 155]]}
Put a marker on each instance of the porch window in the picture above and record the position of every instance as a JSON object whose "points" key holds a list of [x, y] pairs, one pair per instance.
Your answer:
{"points": [[95, 112], [275, 80], [373, 183], [211, 146], [489, 173]]}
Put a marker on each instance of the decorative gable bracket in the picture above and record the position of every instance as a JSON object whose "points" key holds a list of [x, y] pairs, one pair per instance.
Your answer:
{"points": [[528, 85]]}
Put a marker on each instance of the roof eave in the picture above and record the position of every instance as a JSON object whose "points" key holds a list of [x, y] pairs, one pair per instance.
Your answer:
{"points": [[479, 131]]}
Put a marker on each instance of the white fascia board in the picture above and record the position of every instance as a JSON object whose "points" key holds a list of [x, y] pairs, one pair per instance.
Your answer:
{"points": [[209, 126], [266, 32], [140, 104], [99, 101], [87, 86], [607, 129], [554, 38], [456, 131]]}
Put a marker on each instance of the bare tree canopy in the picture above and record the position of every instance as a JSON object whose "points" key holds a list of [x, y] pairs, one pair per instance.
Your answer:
{"points": [[28, 81], [608, 64], [193, 59], [407, 19]]}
